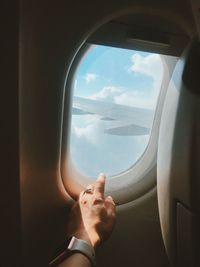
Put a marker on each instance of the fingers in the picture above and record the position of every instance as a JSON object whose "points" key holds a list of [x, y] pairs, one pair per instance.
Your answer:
{"points": [[90, 186], [99, 186], [110, 205], [89, 189], [110, 200]]}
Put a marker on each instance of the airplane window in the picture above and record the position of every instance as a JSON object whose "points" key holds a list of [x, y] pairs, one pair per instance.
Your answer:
{"points": [[114, 101]]}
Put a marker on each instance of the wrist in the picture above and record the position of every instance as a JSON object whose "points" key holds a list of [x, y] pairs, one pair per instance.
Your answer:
{"points": [[84, 236], [92, 240]]}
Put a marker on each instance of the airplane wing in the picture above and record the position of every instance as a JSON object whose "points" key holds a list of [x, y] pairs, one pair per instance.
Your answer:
{"points": [[78, 111], [128, 130], [136, 121]]}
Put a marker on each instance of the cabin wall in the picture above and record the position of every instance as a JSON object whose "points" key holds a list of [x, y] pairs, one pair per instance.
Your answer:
{"points": [[9, 138]]}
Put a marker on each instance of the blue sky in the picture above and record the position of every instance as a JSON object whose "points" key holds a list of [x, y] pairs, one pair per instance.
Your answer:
{"points": [[119, 76], [112, 68]]}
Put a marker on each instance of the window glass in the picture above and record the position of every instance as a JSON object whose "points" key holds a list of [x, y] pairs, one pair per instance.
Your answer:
{"points": [[115, 97]]}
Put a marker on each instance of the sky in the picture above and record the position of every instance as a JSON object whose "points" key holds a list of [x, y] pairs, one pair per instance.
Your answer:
{"points": [[119, 76]]}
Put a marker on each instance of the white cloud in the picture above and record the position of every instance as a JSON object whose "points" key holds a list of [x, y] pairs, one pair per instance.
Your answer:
{"points": [[90, 77], [108, 93], [149, 65], [95, 152], [91, 131], [135, 99], [122, 96], [86, 132]]}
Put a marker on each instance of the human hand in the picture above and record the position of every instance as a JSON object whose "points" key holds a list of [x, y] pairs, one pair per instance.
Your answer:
{"points": [[93, 216]]}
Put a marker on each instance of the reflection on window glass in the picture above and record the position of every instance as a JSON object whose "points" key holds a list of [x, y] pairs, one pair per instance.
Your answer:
{"points": [[115, 97]]}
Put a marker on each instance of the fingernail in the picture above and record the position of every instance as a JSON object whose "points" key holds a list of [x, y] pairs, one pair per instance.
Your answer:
{"points": [[102, 174]]}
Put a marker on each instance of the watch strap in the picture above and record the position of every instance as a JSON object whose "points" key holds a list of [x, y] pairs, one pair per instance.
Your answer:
{"points": [[78, 245], [74, 245]]}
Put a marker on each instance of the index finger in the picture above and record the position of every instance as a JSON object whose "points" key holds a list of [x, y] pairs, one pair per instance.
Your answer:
{"points": [[99, 185]]}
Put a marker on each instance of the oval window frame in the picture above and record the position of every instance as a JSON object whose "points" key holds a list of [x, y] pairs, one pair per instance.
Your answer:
{"points": [[131, 184], [141, 178]]}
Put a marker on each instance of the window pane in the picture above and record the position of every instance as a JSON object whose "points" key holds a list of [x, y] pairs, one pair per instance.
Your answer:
{"points": [[115, 97]]}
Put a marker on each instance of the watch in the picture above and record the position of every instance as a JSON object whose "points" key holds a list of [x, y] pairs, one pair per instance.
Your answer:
{"points": [[71, 246]]}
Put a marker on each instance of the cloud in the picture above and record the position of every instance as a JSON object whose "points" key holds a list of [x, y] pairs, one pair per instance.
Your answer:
{"points": [[149, 65], [119, 95], [90, 77], [94, 152], [135, 100], [108, 93], [89, 130]]}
